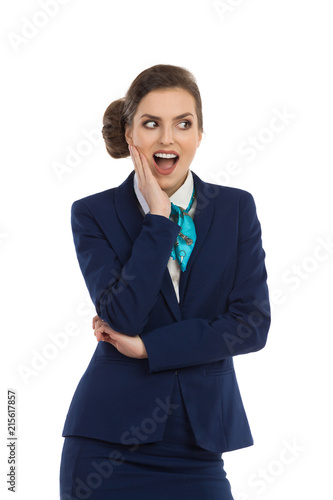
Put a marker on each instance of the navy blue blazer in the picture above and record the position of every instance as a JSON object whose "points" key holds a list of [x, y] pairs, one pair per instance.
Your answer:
{"points": [[223, 312]]}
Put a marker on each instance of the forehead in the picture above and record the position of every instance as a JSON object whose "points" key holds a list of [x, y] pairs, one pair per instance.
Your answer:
{"points": [[167, 103]]}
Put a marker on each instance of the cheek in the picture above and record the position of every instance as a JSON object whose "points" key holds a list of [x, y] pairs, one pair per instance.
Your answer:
{"points": [[137, 138], [137, 134], [143, 137], [190, 147], [189, 139]]}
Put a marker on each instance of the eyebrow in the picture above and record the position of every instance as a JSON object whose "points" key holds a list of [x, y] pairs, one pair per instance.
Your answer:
{"points": [[152, 117]]}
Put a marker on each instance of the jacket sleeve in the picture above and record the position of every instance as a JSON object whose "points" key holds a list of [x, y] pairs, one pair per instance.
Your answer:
{"points": [[123, 294], [240, 329]]}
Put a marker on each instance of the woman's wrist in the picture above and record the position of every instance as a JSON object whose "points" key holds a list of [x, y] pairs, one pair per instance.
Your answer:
{"points": [[160, 212]]}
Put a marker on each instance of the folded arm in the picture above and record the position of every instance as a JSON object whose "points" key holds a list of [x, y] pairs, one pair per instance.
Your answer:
{"points": [[123, 294]]}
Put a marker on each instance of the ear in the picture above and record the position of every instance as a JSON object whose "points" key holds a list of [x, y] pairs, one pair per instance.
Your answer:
{"points": [[199, 139], [128, 135]]}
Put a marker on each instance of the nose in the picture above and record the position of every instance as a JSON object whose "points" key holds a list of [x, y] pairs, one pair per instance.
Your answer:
{"points": [[166, 135]]}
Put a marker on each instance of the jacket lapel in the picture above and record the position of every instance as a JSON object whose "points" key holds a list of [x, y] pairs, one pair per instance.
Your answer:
{"points": [[203, 218], [131, 218]]}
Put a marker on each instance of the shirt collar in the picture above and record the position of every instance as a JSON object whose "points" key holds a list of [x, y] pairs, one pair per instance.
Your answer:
{"points": [[181, 197]]}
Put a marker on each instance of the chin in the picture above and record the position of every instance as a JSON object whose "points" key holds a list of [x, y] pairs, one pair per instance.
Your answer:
{"points": [[166, 183]]}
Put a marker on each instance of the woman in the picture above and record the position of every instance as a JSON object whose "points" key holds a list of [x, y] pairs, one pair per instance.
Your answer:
{"points": [[175, 268]]}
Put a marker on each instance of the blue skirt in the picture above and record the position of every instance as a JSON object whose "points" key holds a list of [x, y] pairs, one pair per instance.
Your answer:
{"points": [[175, 468]]}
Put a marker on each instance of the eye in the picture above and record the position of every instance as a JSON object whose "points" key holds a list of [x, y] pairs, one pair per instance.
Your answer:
{"points": [[148, 124], [186, 123]]}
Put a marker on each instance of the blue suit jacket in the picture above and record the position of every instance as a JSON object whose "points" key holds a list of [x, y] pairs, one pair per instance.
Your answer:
{"points": [[223, 311]]}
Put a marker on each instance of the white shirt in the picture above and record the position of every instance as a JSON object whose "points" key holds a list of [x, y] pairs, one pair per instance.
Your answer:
{"points": [[182, 198]]}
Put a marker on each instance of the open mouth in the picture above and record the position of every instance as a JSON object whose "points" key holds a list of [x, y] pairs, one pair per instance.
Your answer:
{"points": [[165, 163]]}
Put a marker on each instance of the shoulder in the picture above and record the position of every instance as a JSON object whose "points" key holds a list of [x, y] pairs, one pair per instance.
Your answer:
{"points": [[238, 203], [93, 202], [219, 191], [90, 211], [223, 195], [104, 201], [239, 198], [232, 193], [237, 206]]}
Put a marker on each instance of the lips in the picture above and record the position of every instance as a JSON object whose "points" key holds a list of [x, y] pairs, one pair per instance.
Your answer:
{"points": [[165, 166]]}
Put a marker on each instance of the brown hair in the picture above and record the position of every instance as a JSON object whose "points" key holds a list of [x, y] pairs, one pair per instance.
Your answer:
{"points": [[121, 112]]}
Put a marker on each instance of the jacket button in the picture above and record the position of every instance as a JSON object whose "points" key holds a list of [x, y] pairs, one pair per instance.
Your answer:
{"points": [[176, 372]]}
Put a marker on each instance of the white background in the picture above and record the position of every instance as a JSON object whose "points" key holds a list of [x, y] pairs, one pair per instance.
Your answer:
{"points": [[252, 59]]}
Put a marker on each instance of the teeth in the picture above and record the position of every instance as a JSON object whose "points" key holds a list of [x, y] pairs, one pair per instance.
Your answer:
{"points": [[164, 155]]}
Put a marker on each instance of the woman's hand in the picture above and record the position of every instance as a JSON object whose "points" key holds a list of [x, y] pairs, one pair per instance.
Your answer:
{"points": [[157, 200], [133, 347]]}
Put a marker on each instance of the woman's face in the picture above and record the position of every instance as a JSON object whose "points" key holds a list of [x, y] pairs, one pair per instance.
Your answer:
{"points": [[166, 122]]}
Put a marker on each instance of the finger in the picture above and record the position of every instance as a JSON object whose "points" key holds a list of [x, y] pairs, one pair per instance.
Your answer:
{"points": [[105, 330], [145, 166], [139, 168], [99, 323], [94, 320], [117, 336], [99, 336], [150, 181], [97, 333], [133, 156], [149, 176], [102, 336]]}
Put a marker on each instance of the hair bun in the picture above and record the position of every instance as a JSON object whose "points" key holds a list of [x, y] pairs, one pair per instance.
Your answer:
{"points": [[113, 130]]}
